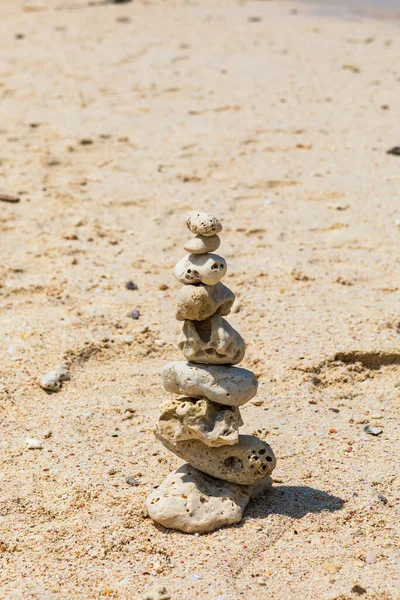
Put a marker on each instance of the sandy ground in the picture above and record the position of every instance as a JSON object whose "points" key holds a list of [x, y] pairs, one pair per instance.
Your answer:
{"points": [[116, 120]]}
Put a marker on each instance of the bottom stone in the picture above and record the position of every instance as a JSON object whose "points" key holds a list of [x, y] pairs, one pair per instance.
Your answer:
{"points": [[194, 502]]}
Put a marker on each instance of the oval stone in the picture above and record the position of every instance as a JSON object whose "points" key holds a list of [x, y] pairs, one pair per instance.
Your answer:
{"points": [[202, 244], [200, 268], [202, 223], [245, 463], [198, 302], [232, 386], [212, 341]]}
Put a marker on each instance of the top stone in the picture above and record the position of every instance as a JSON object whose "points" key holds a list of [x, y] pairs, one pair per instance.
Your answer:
{"points": [[202, 223]]}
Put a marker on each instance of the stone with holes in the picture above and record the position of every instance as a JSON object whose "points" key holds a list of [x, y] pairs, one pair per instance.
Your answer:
{"points": [[245, 463], [202, 223], [200, 268], [201, 244], [198, 418], [199, 302], [212, 341], [193, 502], [232, 386]]}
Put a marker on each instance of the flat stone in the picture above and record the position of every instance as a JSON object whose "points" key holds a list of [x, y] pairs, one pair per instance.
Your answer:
{"points": [[202, 244], [212, 341], [232, 386], [33, 444], [198, 418], [244, 463], [203, 223], [193, 502], [200, 268], [198, 302]]}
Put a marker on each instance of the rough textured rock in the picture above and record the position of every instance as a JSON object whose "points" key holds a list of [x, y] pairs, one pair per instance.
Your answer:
{"points": [[203, 223], [199, 302], [202, 244], [198, 418], [212, 341], [193, 502], [52, 381], [244, 463], [200, 268], [232, 386]]}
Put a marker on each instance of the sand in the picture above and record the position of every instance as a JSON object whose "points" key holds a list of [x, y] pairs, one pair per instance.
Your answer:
{"points": [[115, 121]]}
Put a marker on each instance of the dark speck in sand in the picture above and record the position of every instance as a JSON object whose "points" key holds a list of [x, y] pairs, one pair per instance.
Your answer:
{"points": [[395, 151]]}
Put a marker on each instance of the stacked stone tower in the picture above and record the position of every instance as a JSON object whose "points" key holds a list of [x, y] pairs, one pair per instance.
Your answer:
{"points": [[223, 469]]}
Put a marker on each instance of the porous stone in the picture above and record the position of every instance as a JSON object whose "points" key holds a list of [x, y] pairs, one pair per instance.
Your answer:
{"points": [[244, 463], [200, 268], [232, 386], [212, 341], [201, 244], [52, 381], [198, 418], [193, 502], [203, 223], [198, 302]]}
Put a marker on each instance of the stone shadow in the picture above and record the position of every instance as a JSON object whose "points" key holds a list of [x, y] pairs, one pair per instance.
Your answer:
{"points": [[294, 501]]}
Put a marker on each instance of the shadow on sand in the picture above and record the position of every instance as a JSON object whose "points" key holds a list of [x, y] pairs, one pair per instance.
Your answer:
{"points": [[293, 501]]}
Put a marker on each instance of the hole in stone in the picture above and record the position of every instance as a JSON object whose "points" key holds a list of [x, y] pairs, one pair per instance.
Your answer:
{"points": [[263, 451], [233, 463], [203, 329], [214, 267], [268, 459]]}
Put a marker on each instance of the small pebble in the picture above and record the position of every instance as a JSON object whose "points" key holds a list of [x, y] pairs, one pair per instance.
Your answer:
{"points": [[159, 594], [370, 557], [131, 481], [128, 339], [131, 285], [135, 314], [357, 589], [373, 430], [112, 471], [52, 381], [6, 197], [33, 444]]}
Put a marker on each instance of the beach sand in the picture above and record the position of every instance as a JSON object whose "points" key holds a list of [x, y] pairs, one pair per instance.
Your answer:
{"points": [[115, 121]]}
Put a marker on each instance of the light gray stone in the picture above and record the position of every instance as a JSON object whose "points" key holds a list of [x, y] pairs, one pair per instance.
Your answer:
{"points": [[244, 463], [193, 502], [33, 444], [232, 386], [212, 341], [52, 381], [198, 302], [201, 244], [200, 268], [198, 418], [202, 223]]}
